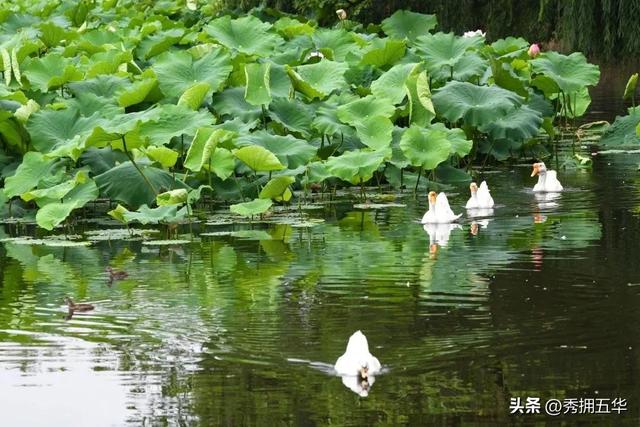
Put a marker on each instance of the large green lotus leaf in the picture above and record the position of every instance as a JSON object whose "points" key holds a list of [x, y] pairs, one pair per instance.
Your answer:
{"points": [[203, 145], [577, 103], [338, 41], [364, 108], [163, 155], [89, 104], [247, 34], [137, 92], [100, 160], [622, 131], [101, 86], [519, 124], [112, 131], [320, 79], [56, 192], [125, 184], [177, 71], [410, 25], [172, 197], [254, 207], [291, 152], [105, 62], [33, 169], [257, 90], [50, 71], [375, 132], [277, 187], [281, 86], [195, 95], [326, 121], [391, 84], [159, 42], [258, 158], [355, 166], [571, 73], [60, 132], [52, 214], [505, 76], [292, 114], [52, 34], [475, 105], [421, 110], [174, 120], [222, 162], [443, 51], [231, 103], [291, 28], [630, 87], [470, 67], [384, 52], [426, 147], [161, 214], [510, 46]]}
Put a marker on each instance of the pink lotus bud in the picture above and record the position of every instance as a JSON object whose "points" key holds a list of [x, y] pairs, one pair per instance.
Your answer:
{"points": [[534, 50]]}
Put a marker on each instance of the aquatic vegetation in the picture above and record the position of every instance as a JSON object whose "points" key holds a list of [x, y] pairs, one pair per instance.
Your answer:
{"points": [[148, 106]]}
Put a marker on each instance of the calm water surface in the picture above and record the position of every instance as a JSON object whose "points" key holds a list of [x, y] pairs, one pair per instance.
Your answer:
{"points": [[541, 300]]}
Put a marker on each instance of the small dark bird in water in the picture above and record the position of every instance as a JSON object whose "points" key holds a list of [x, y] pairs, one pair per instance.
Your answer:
{"points": [[116, 275], [80, 307]]}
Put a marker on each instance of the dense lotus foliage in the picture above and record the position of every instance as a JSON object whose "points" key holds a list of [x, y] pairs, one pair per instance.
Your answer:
{"points": [[155, 105]]}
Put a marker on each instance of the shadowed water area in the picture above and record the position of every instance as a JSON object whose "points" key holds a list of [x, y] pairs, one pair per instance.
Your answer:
{"points": [[538, 300]]}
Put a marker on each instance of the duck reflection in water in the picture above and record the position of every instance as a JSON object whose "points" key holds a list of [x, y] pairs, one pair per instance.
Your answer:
{"points": [[438, 235], [475, 226]]}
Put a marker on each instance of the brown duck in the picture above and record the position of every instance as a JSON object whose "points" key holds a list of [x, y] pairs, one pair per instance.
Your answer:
{"points": [[116, 275], [80, 307]]}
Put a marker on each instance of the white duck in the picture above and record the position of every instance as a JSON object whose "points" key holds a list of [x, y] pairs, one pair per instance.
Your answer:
{"points": [[439, 211], [547, 179], [480, 197], [357, 361]]}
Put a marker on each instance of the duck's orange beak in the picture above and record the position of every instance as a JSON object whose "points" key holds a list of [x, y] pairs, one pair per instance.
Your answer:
{"points": [[535, 170]]}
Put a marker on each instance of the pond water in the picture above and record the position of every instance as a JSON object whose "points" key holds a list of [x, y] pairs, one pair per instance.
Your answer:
{"points": [[539, 300]]}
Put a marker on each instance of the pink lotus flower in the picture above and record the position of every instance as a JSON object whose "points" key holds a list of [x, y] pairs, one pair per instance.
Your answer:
{"points": [[534, 50]]}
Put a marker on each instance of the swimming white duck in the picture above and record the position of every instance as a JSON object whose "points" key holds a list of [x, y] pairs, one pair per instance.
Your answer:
{"points": [[357, 361], [480, 196], [547, 179], [439, 211]]}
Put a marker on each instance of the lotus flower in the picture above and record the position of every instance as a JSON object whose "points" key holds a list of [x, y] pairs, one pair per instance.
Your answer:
{"points": [[342, 14], [534, 50], [475, 33]]}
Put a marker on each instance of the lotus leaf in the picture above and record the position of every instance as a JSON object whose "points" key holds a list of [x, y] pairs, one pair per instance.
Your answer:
{"points": [[33, 169], [320, 79], [163, 155], [50, 71], [519, 124], [258, 87], [384, 53], [444, 51], [203, 145], [355, 166], [623, 130], [125, 184], [177, 71], [292, 152], [231, 103], [391, 84], [292, 114], [172, 197], [421, 110], [222, 163], [258, 158], [570, 73], [254, 207], [246, 34], [278, 188], [173, 120], [630, 88], [428, 147], [375, 132], [475, 105], [410, 25], [364, 108]]}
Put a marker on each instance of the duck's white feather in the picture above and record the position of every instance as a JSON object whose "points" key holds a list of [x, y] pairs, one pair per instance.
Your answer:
{"points": [[356, 357]]}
